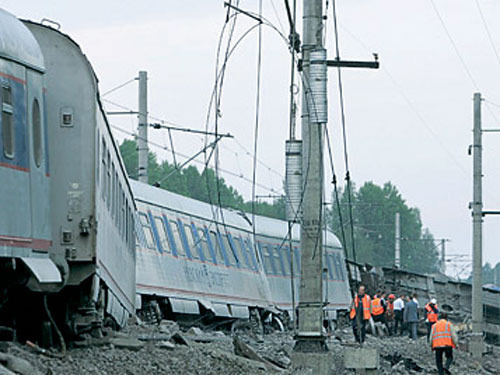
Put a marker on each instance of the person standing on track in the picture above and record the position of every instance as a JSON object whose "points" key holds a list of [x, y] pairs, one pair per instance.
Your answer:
{"points": [[360, 314], [443, 340], [411, 317], [431, 310], [378, 308], [399, 306]]}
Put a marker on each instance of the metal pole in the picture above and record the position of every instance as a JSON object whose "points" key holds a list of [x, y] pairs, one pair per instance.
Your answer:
{"points": [[142, 142], [310, 335], [397, 250], [477, 237], [443, 256], [292, 278]]}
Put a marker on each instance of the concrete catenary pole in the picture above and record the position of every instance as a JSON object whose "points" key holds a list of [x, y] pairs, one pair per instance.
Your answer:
{"points": [[310, 335], [477, 234], [397, 242], [443, 256], [142, 142]]}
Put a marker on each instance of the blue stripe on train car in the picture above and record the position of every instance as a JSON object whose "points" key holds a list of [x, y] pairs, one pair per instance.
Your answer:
{"points": [[210, 246], [282, 264], [197, 241], [155, 232], [184, 240], [245, 253], [223, 248], [251, 251], [233, 249], [170, 236]]}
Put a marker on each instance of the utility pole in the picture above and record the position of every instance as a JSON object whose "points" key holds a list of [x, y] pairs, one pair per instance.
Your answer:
{"points": [[443, 256], [397, 250], [142, 142], [477, 237], [310, 335]]}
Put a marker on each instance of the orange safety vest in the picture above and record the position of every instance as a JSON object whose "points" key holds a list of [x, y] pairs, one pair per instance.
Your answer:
{"points": [[432, 317], [366, 307], [441, 335], [377, 308]]}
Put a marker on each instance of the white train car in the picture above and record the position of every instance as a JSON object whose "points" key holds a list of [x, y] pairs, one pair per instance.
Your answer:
{"points": [[90, 197], [196, 261]]}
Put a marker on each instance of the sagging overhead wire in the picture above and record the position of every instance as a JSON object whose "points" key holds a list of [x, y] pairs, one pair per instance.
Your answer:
{"points": [[165, 148], [344, 132]]}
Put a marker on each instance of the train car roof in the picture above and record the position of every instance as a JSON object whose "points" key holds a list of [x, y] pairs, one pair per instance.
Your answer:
{"points": [[264, 226], [18, 44]]}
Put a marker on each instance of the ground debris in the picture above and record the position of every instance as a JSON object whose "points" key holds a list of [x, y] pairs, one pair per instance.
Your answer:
{"points": [[217, 353]]}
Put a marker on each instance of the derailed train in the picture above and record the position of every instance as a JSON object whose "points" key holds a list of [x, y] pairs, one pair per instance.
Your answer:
{"points": [[196, 258], [67, 211], [69, 220]]}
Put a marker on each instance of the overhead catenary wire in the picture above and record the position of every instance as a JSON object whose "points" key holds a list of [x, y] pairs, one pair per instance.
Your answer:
{"points": [[257, 121], [344, 130], [179, 154], [488, 33], [118, 87]]}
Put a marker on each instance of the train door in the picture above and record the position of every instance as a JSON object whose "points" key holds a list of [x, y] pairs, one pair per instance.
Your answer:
{"points": [[39, 181]]}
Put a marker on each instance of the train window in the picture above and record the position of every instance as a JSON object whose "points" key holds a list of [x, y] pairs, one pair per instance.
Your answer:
{"points": [[266, 258], [296, 252], [117, 195], [239, 252], [328, 265], [271, 255], [113, 191], [122, 216], [103, 169], [98, 156], [204, 244], [231, 258], [36, 124], [340, 261], [127, 238], [177, 238], [251, 254], [285, 254], [8, 133], [108, 179], [242, 252], [146, 227], [190, 242], [216, 246]]}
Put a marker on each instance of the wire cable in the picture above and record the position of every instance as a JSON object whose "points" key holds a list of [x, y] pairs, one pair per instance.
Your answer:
{"points": [[344, 130], [118, 87], [487, 29], [257, 121]]}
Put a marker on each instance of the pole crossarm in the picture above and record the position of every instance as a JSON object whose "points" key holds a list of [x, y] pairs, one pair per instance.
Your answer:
{"points": [[122, 113], [484, 213], [186, 130], [353, 64]]}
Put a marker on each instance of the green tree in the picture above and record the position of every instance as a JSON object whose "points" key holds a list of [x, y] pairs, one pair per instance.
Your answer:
{"points": [[373, 220], [491, 275], [204, 186]]}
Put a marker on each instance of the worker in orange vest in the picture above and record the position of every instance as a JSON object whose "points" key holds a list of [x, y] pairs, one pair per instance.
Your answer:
{"points": [[431, 310], [443, 339], [378, 308], [360, 314], [389, 313]]}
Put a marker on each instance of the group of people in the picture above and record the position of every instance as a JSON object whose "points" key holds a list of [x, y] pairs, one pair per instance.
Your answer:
{"points": [[403, 313]]}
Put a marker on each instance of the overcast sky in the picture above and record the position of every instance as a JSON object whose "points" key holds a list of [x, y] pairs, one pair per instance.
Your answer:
{"points": [[409, 123]]}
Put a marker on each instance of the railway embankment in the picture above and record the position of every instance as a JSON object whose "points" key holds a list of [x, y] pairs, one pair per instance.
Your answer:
{"points": [[168, 349]]}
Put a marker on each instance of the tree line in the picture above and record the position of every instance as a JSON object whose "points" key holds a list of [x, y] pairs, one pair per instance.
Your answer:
{"points": [[373, 212]]}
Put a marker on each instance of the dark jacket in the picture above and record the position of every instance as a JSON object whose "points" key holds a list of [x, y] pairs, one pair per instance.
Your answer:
{"points": [[411, 312]]}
